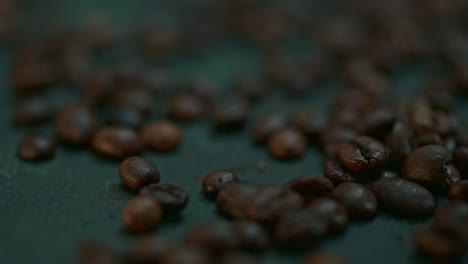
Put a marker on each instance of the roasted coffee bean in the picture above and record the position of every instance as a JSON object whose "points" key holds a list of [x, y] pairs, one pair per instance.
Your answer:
{"points": [[333, 137], [452, 219], [336, 173], [97, 88], [403, 197], [362, 154], [214, 181], [96, 253], [214, 238], [237, 258], [125, 116], [287, 144], [460, 159], [454, 175], [359, 202], [117, 142], [266, 125], [428, 166], [162, 136], [137, 172], [32, 75], [429, 138], [377, 123], [272, 201], [332, 212], [36, 147], [32, 111], [185, 254], [459, 191], [149, 249], [311, 122], [437, 244], [137, 98], [186, 107], [421, 117], [173, 199], [323, 257], [299, 228], [251, 87], [142, 214], [232, 200], [310, 187], [252, 236], [75, 124], [399, 143], [230, 114]]}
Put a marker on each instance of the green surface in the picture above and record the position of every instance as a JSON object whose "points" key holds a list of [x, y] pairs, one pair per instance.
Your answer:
{"points": [[45, 208]]}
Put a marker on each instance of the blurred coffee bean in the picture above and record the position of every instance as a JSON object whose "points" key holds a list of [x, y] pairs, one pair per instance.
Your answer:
{"points": [[172, 199], [186, 107], [213, 237], [323, 257], [149, 249], [311, 187], [437, 244], [75, 124], [251, 87], [95, 253], [142, 214], [252, 236], [333, 137], [230, 114], [460, 159], [378, 123], [287, 144], [233, 199], [32, 111], [137, 98], [126, 116], [185, 254], [429, 138], [162, 136], [97, 88], [214, 181], [454, 175], [117, 142], [36, 147], [362, 154], [360, 203], [267, 124], [333, 170], [459, 191], [137, 172], [399, 143], [312, 123], [451, 219], [332, 212]]}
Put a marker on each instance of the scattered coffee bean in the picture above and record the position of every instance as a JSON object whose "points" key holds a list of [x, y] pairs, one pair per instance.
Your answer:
{"points": [[312, 123], [233, 199], [136, 98], [429, 139], [117, 142], [437, 244], [137, 172], [36, 147], [213, 238], [362, 154], [452, 219], [454, 175], [459, 191], [75, 124], [377, 123], [149, 249], [32, 111], [336, 173], [214, 181], [332, 212], [186, 107], [428, 166], [403, 197], [399, 143], [162, 136], [287, 144], [310, 187], [323, 257], [96, 253], [360, 203], [230, 114], [142, 214], [252, 236], [125, 116], [266, 125], [172, 198]]}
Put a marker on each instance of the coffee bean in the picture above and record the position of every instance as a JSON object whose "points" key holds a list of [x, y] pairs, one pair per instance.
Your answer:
{"points": [[403, 197], [142, 214], [332, 212], [185, 254], [125, 116], [250, 87], [232, 200], [459, 191], [266, 125], [454, 175], [311, 122], [97, 88], [230, 114], [333, 137], [31, 75], [32, 111], [421, 116], [137, 98], [427, 166], [362, 154], [377, 123], [287, 144], [96, 253], [429, 138], [137, 172], [452, 219], [173, 199], [214, 238], [252, 236], [437, 244], [399, 143], [214, 181], [117, 142], [237, 258], [323, 257], [36, 147], [336, 173], [162, 136], [75, 124], [270, 202], [186, 107], [360, 203], [149, 249], [299, 228], [460, 159], [310, 187]]}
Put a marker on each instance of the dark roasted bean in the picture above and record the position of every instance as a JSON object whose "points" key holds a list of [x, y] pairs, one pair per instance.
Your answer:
{"points": [[36, 147], [125, 116], [403, 197], [287, 144], [332, 212], [362, 154], [75, 124], [452, 219], [359, 202], [454, 175], [186, 107], [312, 123], [252, 236], [310, 187], [266, 125], [137, 98], [270, 202], [459, 191], [299, 228], [214, 238], [214, 181], [230, 114], [149, 249], [429, 138], [97, 88], [234, 197], [323, 257], [336, 173], [428, 166], [185, 255], [172, 198], [332, 138], [377, 123], [162, 136], [32, 111], [399, 143], [96, 253], [117, 142], [137, 172], [142, 214], [437, 244]]}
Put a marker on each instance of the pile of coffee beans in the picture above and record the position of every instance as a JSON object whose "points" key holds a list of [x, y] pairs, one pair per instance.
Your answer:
{"points": [[403, 156]]}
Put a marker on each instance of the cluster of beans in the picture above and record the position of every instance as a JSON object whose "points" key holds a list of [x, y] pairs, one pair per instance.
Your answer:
{"points": [[381, 154]]}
